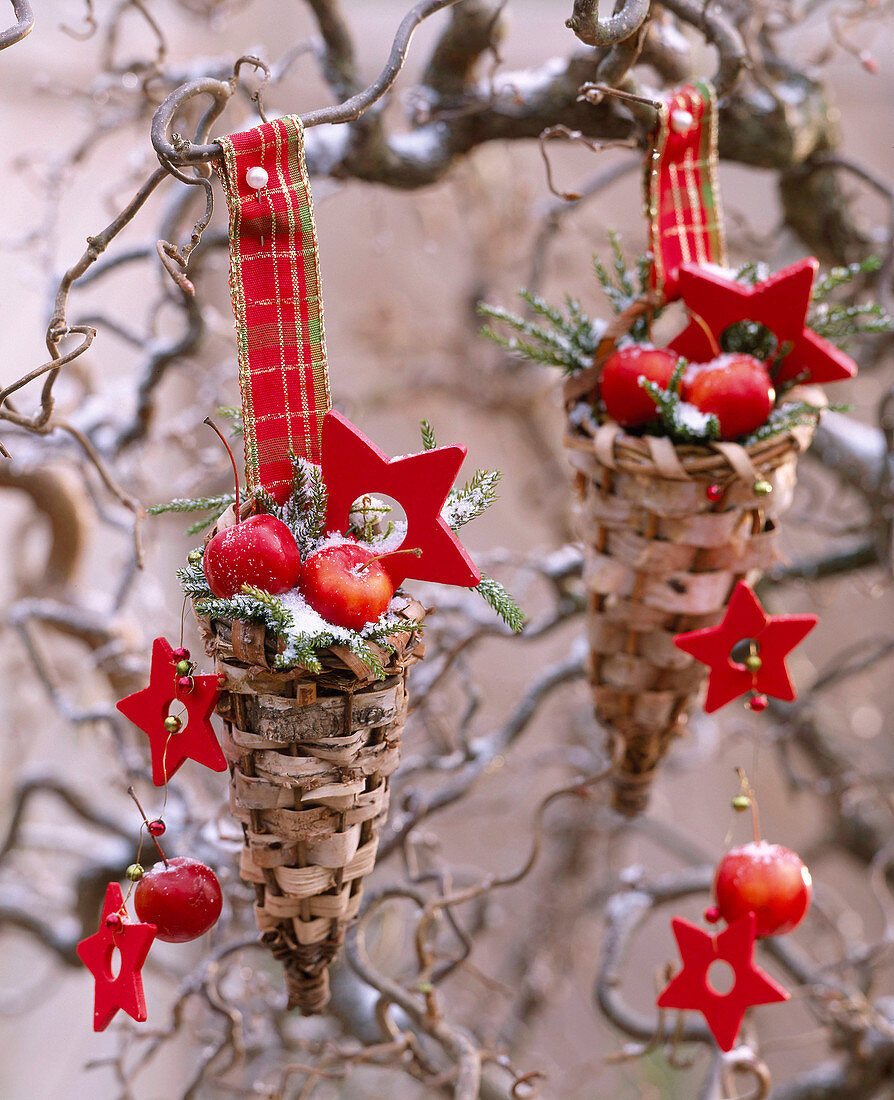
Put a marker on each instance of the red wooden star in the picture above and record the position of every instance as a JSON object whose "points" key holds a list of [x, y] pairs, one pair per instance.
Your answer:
{"points": [[780, 303], [354, 466], [775, 637], [692, 989], [147, 709], [132, 940]]}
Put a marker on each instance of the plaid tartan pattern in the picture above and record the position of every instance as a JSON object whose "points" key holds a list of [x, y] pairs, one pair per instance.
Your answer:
{"points": [[682, 191], [275, 286]]}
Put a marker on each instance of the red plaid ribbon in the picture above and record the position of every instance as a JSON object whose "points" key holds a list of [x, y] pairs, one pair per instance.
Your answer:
{"points": [[275, 286], [682, 192]]}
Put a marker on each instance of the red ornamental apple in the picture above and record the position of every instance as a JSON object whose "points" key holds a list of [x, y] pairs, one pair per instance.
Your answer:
{"points": [[261, 550], [181, 898], [767, 880], [624, 398], [736, 389], [347, 585]]}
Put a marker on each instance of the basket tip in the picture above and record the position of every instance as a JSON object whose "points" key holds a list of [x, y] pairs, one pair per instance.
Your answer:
{"points": [[308, 993]]}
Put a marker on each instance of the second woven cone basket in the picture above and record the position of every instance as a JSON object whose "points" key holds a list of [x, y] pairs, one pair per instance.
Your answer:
{"points": [[662, 557], [310, 760]]}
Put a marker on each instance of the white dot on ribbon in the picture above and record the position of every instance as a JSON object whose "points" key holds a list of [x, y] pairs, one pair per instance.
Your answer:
{"points": [[256, 178]]}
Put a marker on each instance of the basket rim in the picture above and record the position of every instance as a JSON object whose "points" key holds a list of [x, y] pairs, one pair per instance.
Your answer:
{"points": [[659, 456]]}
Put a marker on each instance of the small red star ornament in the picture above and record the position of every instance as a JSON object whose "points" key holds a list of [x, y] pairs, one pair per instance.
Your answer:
{"points": [[779, 302], [774, 637], [692, 989], [354, 466], [148, 709], [132, 940]]}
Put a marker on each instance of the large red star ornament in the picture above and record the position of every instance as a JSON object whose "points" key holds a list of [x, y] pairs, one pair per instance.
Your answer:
{"points": [[354, 466], [775, 636], [132, 939], [692, 989], [780, 302], [147, 709]]}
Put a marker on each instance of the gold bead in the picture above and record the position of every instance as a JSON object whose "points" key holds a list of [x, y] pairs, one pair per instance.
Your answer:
{"points": [[173, 724], [194, 557], [183, 668], [134, 872], [762, 488], [741, 803], [753, 662]]}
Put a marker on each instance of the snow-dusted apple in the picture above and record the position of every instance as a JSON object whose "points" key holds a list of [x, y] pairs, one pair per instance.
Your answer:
{"points": [[260, 551], [736, 388], [181, 897], [624, 399], [347, 585], [765, 879]]}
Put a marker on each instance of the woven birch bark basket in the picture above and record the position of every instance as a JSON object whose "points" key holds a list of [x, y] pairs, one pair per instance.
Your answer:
{"points": [[661, 558], [310, 760]]}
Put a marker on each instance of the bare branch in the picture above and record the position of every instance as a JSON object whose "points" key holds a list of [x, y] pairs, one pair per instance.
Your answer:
{"points": [[23, 27], [619, 26], [347, 111]]}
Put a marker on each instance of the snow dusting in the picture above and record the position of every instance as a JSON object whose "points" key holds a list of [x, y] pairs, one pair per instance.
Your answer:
{"points": [[691, 419]]}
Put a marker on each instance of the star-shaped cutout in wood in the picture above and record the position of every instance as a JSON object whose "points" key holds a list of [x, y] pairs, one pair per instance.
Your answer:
{"points": [[692, 988], [775, 636], [121, 986], [353, 466], [779, 302], [147, 709]]}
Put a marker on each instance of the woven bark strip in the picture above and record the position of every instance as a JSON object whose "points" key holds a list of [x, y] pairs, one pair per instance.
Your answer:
{"points": [[661, 558], [310, 761]]}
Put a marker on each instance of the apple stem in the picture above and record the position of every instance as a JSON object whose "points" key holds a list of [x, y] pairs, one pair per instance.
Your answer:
{"points": [[748, 790], [133, 795], [700, 321], [391, 554], [221, 437]]}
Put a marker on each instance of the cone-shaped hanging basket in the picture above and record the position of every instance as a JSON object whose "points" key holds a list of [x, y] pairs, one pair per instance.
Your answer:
{"points": [[661, 558], [310, 759]]}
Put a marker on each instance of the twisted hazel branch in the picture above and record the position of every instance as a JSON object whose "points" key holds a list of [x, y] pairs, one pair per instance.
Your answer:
{"points": [[347, 111], [23, 27], [593, 31], [720, 33]]}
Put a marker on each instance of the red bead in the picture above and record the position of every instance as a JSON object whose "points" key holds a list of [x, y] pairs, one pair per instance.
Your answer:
{"points": [[712, 914], [156, 828], [757, 703], [114, 921], [184, 683], [714, 493], [181, 654]]}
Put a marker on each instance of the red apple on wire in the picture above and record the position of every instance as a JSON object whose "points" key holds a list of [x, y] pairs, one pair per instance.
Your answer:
{"points": [[765, 879], [260, 551], [181, 897]]}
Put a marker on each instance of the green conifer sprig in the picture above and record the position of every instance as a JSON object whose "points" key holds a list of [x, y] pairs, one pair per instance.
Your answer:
{"points": [[237, 427], [623, 285], [837, 277], [251, 605], [473, 499], [216, 504], [502, 602], [668, 402], [568, 342], [429, 443], [193, 581], [304, 511], [787, 416]]}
